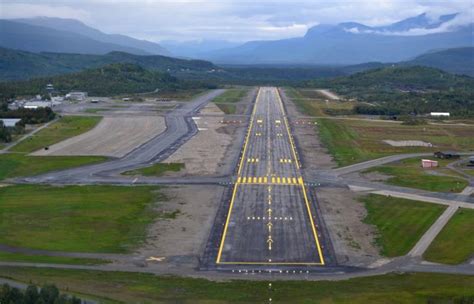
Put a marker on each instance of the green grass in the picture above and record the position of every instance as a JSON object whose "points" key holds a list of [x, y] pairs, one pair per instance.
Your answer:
{"points": [[353, 141], [231, 96], [16, 165], [225, 100], [400, 223], [76, 218], [65, 127], [408, 173], [455, 243], [17, 257], [157, 169], [312, 103], [147, 288]]}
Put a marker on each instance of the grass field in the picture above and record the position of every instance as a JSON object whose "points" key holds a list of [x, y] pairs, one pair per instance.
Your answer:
{"points": [[408, 173], [400, 223], [353, 141], [312, 103], [16, 165], [225, 100], [16, 257], [76, 218], [65, 127], [455, 243], [147, 288], [157, 169]]}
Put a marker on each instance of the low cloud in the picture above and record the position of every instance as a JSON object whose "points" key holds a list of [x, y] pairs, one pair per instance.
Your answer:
{"points": [[460, 20], [233, 20]]}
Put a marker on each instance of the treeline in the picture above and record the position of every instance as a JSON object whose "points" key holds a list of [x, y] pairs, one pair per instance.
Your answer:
{"points": [[405, 90], [48, 294], [29, 116], [113, 79]]}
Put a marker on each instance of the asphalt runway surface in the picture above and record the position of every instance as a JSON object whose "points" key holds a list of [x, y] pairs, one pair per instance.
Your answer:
{"points": [[270, 220]]}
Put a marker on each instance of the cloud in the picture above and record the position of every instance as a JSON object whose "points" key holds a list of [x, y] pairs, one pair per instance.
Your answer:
{"points": [[462, 19], [234, 20], [29, 10]]}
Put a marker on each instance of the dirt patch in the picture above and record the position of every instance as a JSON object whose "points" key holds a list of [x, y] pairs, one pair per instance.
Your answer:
{"points": [[352, 239], [407, 143], [184, 237], [210, 151], [113, 136]]}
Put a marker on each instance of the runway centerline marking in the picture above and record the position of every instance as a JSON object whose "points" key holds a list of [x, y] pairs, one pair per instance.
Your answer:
{"points": [[286, 173]]}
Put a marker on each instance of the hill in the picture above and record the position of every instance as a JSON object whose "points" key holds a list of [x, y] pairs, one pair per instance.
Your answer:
{"points": [[37, 38], [353, 43], [116, 78], [17, 65], [31, 38], [456, 60], [77, 27], [406, 90]]}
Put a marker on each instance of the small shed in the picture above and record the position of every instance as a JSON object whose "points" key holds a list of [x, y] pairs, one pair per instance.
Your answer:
{"points": [[428, 163]]}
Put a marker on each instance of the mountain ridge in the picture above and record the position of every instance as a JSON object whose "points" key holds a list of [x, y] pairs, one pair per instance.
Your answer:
{"points": [[40, 35], [329, 44]]}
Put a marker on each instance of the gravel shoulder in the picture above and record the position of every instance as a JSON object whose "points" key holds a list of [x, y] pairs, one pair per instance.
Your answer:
{"points": [[182, 239]]}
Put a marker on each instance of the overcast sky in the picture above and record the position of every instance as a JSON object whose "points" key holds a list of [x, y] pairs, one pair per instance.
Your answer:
{"points": [[234, 20]]}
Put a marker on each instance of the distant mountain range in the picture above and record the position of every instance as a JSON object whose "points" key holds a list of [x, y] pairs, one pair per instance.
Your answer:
{"points": [[44, 34], [353, 43], [18, 65], [196, 48]]}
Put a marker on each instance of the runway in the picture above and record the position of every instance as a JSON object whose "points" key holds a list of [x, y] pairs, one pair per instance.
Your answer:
{"points": [[270, 219]]}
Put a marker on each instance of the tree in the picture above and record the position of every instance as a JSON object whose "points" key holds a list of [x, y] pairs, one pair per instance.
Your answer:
{"points": [[5, 134], [31, 294], [49, 293]]}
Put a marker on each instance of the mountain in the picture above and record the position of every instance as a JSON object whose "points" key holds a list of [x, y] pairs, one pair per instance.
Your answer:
{"points": [[77, 27], [353, 43], [196, 48], [456, 60], [22, 36], [16, 65], [113, 79]]}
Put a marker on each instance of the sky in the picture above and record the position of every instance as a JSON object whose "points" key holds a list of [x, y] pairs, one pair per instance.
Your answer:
{"points": [[231, 20]]}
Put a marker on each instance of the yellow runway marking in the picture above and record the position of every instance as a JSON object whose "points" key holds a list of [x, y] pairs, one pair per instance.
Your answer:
{"points": [[298, 180]]}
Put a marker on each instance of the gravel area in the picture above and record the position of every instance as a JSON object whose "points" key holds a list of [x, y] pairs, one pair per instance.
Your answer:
{"points": [[113, 136]]}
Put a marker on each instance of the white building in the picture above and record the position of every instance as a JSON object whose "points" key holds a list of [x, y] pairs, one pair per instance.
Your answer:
{"points": [[10, 122], [37, 104], [439, 114], [77, 96]]}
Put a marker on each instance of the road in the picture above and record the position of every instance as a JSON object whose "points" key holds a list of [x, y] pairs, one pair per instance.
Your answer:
{"points": [[179, 128], [270, 219]]}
